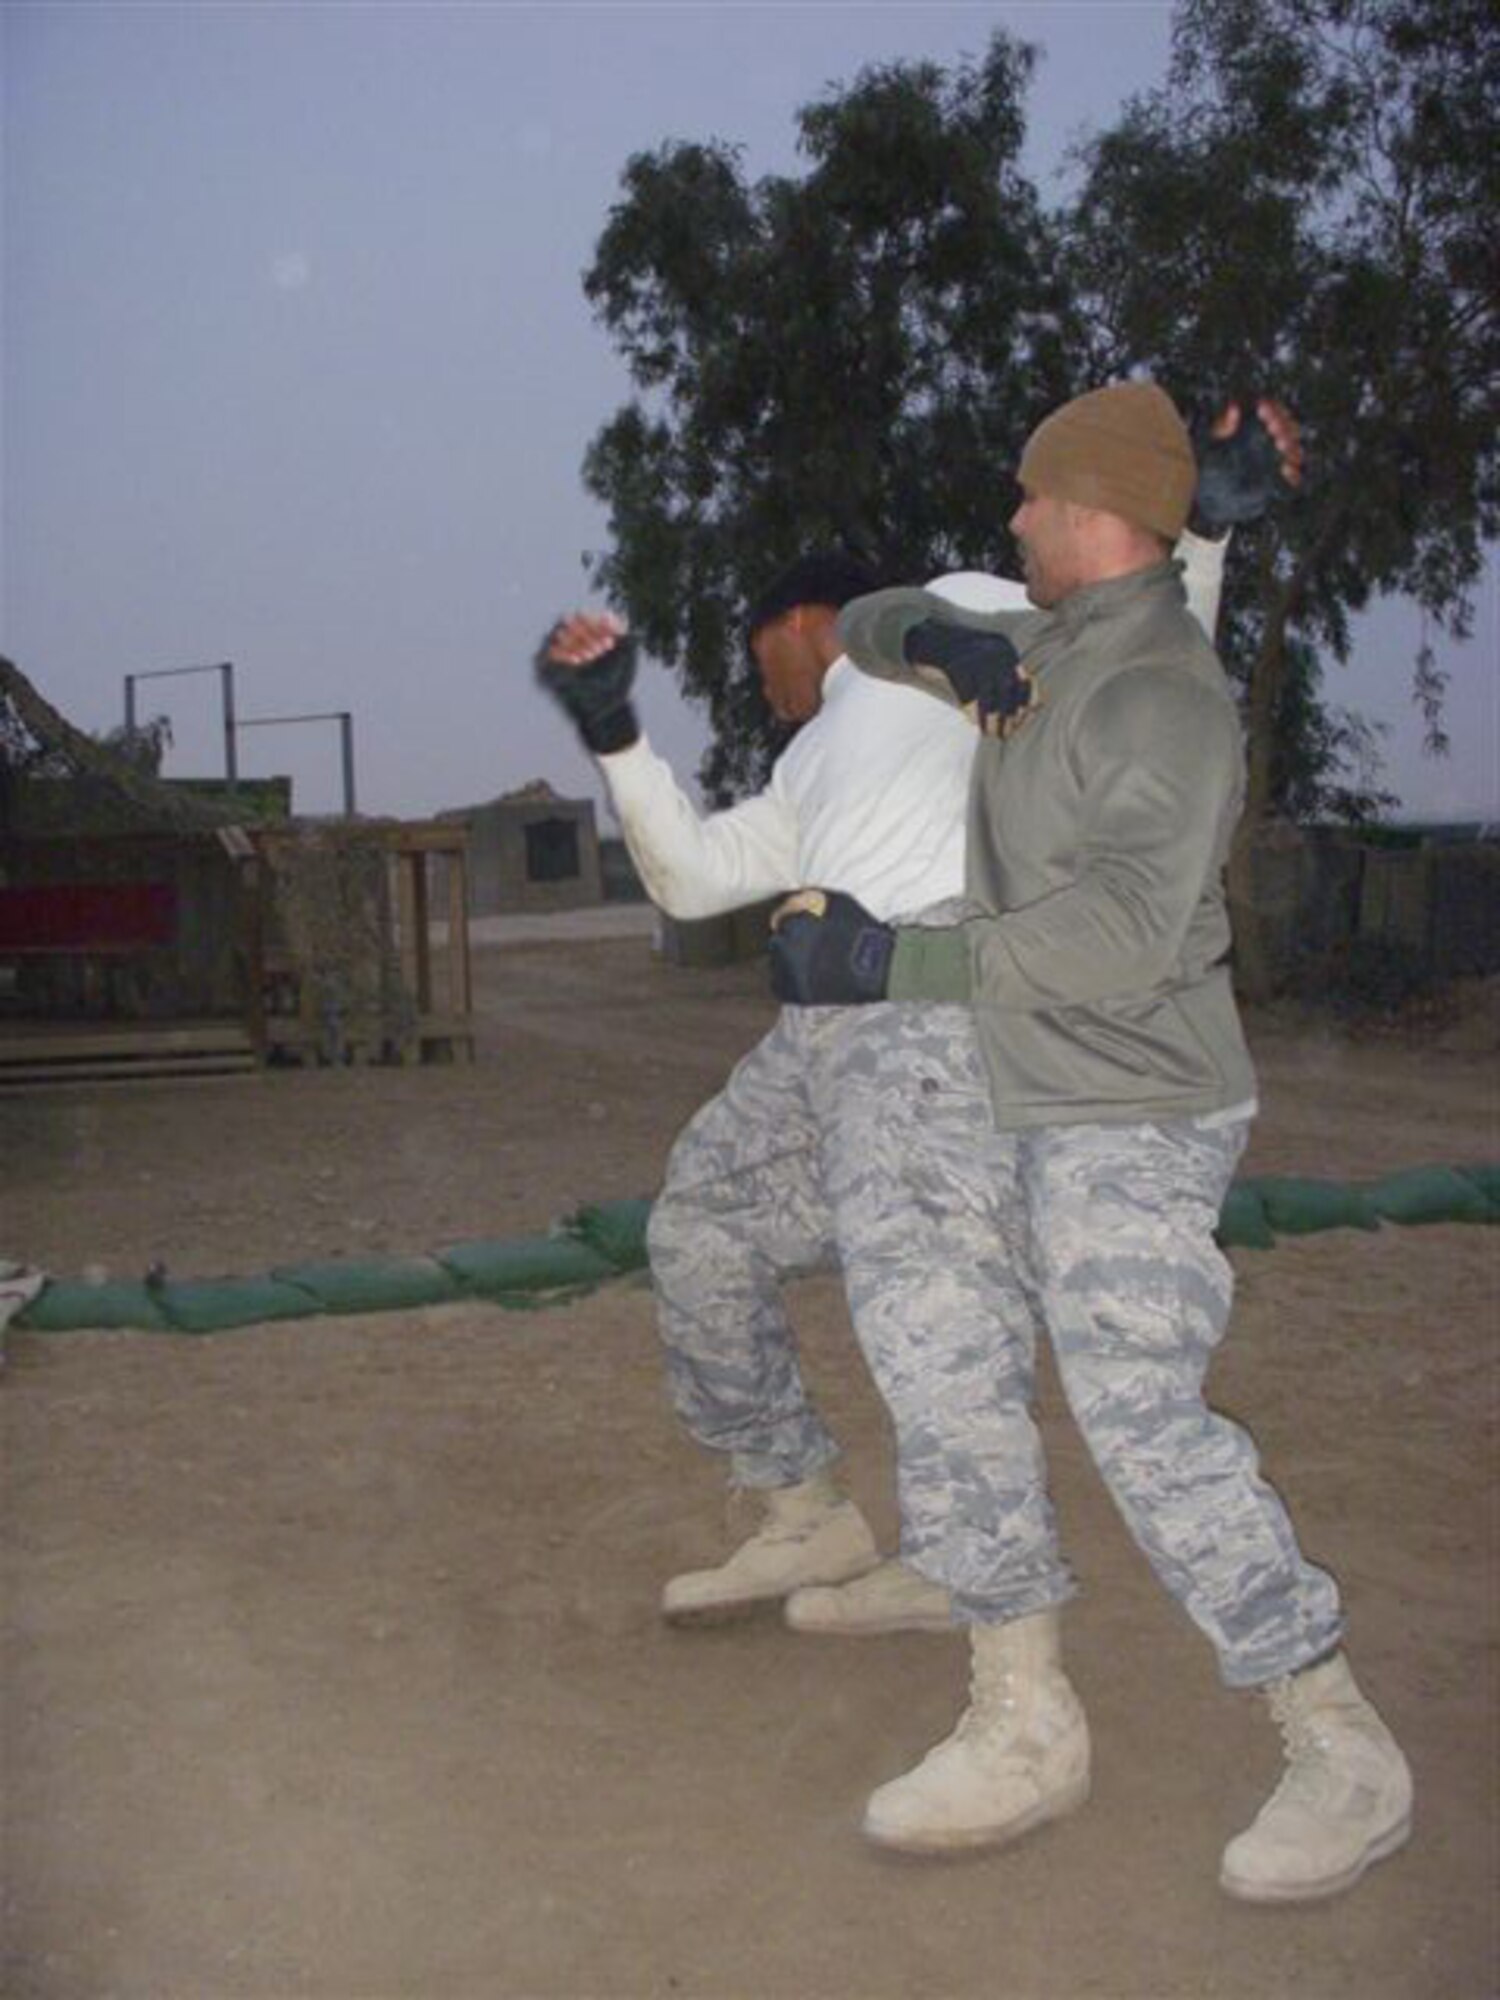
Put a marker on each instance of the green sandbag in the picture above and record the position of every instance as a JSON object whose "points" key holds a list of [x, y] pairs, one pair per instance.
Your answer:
{"points": [[532, 1302], [385, 1284], [1242, 1220], [1431, 1194], [616, 1229], [1298, 1207], [212, 1305], [1487, 1180], [63, 1305], [529, 1264]]}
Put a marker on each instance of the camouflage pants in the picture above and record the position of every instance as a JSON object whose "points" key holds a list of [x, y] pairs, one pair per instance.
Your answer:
{"points": [[862, 1137], [1136, 1296]]}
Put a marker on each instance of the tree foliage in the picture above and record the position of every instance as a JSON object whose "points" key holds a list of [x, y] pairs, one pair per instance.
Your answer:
{"points": [[1306, 205], [856, 354], [848, 357]]}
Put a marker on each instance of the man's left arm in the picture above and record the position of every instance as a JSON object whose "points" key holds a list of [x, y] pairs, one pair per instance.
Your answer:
{"points": [[1202, 562]]}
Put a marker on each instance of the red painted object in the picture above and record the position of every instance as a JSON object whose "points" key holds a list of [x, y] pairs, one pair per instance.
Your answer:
{"points": [[88, 916]]}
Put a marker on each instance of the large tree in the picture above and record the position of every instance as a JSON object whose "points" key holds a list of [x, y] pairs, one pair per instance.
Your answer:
{"points": [[1308, 204], [849, 356]]}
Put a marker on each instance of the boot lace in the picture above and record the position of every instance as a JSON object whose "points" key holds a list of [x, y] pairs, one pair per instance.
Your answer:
{"points": [[1308, 1777], [992, 1694]]}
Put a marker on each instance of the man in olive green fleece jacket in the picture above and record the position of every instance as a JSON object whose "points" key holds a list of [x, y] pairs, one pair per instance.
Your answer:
{"points": [[1095, 959]]}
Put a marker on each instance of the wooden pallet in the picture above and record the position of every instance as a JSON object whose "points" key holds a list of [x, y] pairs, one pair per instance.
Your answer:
{"points": [[45, 1053], [432, 1038]]}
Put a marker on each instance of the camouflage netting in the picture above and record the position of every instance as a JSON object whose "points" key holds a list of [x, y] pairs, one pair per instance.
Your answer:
{"points": [[327, 909], [331, 915], [56, 779]]}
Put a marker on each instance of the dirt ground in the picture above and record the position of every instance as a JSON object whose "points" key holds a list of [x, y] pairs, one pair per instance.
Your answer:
{"points": [[332, 1663]]}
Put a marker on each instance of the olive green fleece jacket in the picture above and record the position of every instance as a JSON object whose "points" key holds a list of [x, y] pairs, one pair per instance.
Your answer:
{"points": [[1098, 835]]}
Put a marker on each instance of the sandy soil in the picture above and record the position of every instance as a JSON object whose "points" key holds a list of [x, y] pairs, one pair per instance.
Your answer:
{"points": [[332, 1664]]}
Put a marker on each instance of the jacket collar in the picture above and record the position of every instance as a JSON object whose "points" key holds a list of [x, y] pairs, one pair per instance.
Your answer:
{"points": [[1102, 600]]}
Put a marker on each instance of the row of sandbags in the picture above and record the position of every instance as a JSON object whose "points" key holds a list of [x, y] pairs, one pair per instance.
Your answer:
{"points": [[607, 1239], [600, 1242]]}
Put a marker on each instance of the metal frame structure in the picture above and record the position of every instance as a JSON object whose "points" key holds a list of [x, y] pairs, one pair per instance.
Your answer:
{"points": [[345, 720], [225, 669], [232, 725]]}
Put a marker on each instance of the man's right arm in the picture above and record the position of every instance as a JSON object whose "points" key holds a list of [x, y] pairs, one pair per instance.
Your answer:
{"points": [[692, 865], [695, 864]]}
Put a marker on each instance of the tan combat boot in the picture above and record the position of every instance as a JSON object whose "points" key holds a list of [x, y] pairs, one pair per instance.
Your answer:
{"points": [[891, 1598], [810, 1534], [1343, 1802], [1019, 1756]]}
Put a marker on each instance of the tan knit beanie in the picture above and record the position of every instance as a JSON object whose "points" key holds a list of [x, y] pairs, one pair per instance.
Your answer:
{"points": [[1124, 449]]}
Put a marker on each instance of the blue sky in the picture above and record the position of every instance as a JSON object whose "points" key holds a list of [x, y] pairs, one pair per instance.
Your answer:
{"points": [[298, 372]]}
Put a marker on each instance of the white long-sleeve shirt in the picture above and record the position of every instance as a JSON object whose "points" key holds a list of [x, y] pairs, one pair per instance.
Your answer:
{"points": [[869, 796]]}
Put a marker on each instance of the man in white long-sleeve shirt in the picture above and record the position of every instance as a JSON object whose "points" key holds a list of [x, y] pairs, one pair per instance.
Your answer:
{"points": [[865, 784], [838, 1138]]}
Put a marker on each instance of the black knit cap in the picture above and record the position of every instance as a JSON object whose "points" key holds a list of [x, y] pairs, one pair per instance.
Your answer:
{"points": [[828, 577]]}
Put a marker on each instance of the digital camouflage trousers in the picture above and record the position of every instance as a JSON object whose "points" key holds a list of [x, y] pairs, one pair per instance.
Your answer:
{"points": [[864, 1139]]}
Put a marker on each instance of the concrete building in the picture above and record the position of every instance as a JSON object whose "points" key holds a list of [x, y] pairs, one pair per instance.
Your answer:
{"points": [[531, 850]]}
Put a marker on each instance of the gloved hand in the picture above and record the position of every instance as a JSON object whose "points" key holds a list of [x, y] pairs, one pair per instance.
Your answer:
{"points": [[828, 951], [983, 669], [588, 666], [1239, 477]]}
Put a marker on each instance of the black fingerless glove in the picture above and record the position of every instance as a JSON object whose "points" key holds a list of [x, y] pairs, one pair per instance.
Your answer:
{"points": [[1239, 477], [596, 696], [982, 668], [839, 959]]}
